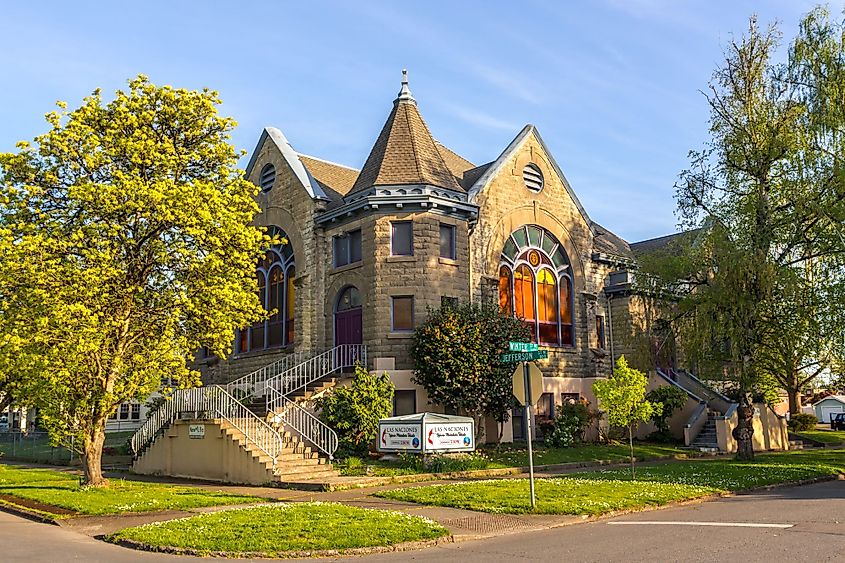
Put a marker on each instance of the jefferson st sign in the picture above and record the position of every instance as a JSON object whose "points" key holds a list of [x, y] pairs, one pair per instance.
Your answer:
{"points": [[524, 356]]}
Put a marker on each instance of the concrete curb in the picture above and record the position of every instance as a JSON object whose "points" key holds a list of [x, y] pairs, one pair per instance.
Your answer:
{"points": [[405, 546], [29, 514]]}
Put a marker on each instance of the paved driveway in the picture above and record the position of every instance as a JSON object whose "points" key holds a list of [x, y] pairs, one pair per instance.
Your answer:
{"points": [[792, 524]]}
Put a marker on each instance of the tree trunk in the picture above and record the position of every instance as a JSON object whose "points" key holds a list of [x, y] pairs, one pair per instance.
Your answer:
{"points": [[92, 455], [744, 432], [631, 443], [794, 401]]}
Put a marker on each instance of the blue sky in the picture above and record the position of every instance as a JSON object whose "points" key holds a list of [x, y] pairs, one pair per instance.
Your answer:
{"points": [[613, 85]]}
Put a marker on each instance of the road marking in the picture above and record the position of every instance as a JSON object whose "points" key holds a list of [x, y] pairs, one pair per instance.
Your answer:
{"points": [[720, 524]]}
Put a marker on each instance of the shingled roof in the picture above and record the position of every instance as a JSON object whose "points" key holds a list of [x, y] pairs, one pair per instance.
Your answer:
{"points": [[405, 152], [338, 177]]}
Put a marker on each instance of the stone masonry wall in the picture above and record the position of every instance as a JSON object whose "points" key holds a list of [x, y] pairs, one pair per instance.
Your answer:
{"points": [[505, 205]]}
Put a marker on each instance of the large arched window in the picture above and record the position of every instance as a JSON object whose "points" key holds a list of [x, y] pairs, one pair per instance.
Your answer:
{"points": [[535, 285], [275, 275]]}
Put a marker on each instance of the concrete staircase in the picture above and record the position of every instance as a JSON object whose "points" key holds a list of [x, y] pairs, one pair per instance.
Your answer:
{"points": [[706, 440]]}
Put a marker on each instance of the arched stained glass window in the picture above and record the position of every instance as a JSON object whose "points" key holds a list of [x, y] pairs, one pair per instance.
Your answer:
{"points": [[505, 290], [274, 274], [535, 285]]}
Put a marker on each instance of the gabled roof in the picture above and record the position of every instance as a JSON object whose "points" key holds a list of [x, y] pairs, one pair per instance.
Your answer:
{"points": [[302, 174], [338, 177], [607, 242], [456, 164], [673, 244], [405, 152], [840, 398], [492, 170]]}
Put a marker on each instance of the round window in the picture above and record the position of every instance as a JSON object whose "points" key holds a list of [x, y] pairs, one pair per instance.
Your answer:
{"points": [[267, 178], [533, 177]]}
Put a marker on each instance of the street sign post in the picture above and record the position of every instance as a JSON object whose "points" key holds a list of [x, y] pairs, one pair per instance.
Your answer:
{"points": [[527, 391]]}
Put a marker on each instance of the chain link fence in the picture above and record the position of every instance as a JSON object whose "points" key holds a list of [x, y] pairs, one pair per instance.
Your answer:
{"points": [[33, 446]]}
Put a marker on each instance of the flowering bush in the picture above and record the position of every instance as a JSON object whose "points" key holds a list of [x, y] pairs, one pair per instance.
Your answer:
{"points": [[570, 422]]}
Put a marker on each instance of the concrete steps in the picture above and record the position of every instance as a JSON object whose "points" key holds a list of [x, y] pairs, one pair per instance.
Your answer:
{"points": [[706, 439]]}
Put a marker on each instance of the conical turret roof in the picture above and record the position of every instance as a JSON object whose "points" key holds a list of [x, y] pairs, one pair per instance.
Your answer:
{"points": [[405, 152]]}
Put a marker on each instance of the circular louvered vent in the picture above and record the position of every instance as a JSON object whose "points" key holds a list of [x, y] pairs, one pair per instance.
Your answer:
{"points": [[533, 177], [267, 178]]}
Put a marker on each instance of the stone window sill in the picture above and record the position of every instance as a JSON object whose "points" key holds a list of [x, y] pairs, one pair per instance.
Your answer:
{"points": [[397, 334], [347, 267], [401, 258], [448, 261]]}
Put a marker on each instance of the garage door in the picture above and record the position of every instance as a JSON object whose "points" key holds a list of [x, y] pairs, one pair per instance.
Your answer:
{"points": [[827, 412]]}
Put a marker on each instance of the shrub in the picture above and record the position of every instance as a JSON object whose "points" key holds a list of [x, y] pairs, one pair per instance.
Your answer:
{"points": [[802, 421], [570, 422], [672, 399], [353, 412], [457, 358]]}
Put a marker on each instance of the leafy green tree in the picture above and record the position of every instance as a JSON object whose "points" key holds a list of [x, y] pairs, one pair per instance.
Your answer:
{"points": [[456, 359], [768, 192], [353, 412], [672, 399], [126, 243], [623, 397]]}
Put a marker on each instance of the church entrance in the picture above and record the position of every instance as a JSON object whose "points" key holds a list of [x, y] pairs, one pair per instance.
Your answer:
{"points": [[348, 325], [348, 321]]}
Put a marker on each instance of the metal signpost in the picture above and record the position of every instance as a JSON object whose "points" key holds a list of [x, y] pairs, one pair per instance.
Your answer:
{"points": [[527, 386]]}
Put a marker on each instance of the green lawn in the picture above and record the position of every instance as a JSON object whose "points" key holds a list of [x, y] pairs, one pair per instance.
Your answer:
{"points": [[515, 456], [597, 492], [565, 495], [270, 531], [35, 487], [823, 436]]}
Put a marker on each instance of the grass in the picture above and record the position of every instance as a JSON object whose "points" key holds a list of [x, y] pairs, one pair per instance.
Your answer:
{"points": [[511, 456], [43, 488], [598, 492], [270, 531], [517, 456], [565, 495], [823, 436]]}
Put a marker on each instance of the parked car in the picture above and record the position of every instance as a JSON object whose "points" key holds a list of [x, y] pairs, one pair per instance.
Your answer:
{"points": [[837, 421]]}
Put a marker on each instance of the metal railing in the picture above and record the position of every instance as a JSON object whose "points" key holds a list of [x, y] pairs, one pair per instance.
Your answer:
{"points": [[275, 381], [298, 377], [210, 403], [252, 384], [309, 427]]}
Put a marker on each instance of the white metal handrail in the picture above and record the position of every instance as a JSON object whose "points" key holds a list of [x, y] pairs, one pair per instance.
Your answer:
{"points": [[298, 377], [311, 428], [253, 383], [210, 402]]}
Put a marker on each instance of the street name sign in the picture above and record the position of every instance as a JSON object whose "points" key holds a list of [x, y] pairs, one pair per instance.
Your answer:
{"points": [[523, 347], [512, 357]]}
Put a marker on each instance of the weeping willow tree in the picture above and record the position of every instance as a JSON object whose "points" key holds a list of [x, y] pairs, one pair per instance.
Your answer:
{"points": [[767, 192]]}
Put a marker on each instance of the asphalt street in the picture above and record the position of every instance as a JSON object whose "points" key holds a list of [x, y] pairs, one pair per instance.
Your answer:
{"points": [[791, 524]]}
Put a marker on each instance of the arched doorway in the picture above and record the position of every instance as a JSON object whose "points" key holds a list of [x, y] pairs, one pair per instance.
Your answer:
{"points": [[348, 321]]}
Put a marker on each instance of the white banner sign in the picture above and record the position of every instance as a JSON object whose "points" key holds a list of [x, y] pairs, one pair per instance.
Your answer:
{"points": [[399, 437], [450, 436], [196, 431]]}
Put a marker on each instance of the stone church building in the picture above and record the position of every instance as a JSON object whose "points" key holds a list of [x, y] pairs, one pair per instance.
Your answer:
{"points": [[417, 226]]}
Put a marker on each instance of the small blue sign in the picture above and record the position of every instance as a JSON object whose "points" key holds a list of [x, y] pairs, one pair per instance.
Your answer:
{"points": [[415, 442]]}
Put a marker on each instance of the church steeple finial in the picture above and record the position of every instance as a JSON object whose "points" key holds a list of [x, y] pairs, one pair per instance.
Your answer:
{"points": [[405, 92]]}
